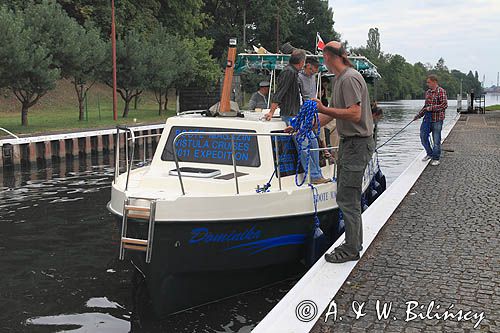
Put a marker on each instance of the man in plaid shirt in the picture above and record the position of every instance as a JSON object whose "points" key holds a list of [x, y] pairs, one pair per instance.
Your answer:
{"points": [[436, 102]]}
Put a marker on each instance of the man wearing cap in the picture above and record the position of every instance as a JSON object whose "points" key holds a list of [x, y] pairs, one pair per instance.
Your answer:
{"points": [[259, 98], [351, 108]]}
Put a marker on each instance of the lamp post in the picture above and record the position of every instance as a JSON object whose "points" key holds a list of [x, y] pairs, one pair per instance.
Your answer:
{"points": [[113, 59]]}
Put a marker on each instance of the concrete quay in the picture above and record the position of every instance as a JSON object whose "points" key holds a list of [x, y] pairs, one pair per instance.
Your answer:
{"points": [[436, 261]]}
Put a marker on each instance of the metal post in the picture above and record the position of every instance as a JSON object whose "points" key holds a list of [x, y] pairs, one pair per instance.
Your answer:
{"points": [[113, 59], [143, 150], [152, 214], [86, 109], [234, 165], [278, 173], [117, 154], [129, 166], [99, 107], [177, 164], [126, 149], [270, 86]]}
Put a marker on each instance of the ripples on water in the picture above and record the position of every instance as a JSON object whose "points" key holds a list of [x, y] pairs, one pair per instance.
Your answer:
{"points": [[59, 249]]}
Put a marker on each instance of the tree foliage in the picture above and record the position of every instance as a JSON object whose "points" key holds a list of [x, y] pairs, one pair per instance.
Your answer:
{"points": [[402, 80], [298, 22], [28, 61]]}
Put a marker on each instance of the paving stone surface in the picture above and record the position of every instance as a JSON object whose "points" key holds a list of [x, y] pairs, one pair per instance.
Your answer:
{"points": [[440, 251]]}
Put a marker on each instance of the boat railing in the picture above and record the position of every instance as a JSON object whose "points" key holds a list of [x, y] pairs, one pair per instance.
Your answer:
{"points": [[232, 134], [9, 132], [130, 137]]}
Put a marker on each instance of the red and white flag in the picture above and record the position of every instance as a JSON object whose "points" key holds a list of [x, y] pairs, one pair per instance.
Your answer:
{"points": [[319, 42]]}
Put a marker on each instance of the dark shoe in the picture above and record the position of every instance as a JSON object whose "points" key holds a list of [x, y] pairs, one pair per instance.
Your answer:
{"points": [[340, 256], [321, 180]]}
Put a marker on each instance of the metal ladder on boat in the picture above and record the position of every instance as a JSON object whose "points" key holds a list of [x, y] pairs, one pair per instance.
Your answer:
{"points": [[142, 213]]}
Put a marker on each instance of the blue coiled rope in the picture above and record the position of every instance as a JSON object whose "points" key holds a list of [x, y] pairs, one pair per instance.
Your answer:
{"points": [[303, 125]]}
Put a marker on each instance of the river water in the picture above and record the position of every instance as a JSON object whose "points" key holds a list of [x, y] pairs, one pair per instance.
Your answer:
{"points": [[59, 270]]}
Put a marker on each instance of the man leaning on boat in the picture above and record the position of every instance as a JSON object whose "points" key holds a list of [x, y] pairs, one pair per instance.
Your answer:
{"points": [[351, 108], [287, 97]]}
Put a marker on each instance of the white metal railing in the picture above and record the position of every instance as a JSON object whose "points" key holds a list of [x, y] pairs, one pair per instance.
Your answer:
{"points": [[129, 157], [9, 132], [271, 135]]}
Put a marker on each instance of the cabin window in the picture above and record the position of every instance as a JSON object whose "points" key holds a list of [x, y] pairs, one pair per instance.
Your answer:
{"points": [[213, 149], [288, 156]]}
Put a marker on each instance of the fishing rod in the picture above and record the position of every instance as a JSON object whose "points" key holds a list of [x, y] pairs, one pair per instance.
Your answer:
{"points": [[392, 137]]}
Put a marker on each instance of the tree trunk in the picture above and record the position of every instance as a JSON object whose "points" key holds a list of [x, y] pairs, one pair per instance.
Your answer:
{"points": [[80, 96], [127, 107], [159, 103], [24, 114], [166, 100]]}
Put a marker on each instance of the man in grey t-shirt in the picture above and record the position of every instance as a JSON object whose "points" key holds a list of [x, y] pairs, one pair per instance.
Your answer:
{"points": [[307, 79], [351, 108]]}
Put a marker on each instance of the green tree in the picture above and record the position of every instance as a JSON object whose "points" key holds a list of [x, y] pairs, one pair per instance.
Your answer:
{"points": [[131, 65], [87, 63], [183, 17], [373, 42], [310, 17], [27, 64], [166, 60], [201, 69]]}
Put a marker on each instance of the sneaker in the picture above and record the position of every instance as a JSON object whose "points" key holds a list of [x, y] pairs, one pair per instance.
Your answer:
{"points": [[435, 162], [341, 256], [321, 180], [426, 158]]}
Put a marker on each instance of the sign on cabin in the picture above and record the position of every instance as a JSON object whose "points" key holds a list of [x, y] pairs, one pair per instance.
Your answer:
{"points": [[213, 149]]}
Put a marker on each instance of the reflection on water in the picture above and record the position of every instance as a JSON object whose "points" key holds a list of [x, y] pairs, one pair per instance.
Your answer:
{"points": [[59, 270]]}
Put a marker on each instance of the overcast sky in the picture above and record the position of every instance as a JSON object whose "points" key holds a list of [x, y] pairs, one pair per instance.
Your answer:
{"points": [[466, 33]]}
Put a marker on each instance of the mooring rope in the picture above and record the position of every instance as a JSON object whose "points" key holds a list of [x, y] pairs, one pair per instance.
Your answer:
{"points": [[303, 125]]}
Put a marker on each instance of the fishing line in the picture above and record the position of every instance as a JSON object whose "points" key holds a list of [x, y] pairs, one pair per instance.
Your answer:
{"points": [[392, 137]]}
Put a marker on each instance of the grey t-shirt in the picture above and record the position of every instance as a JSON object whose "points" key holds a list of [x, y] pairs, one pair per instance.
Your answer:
{"points": [[350, 88], [307, 86], [257, 101]]}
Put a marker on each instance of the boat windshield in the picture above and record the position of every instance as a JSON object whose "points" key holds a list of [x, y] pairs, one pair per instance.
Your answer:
{"points": [[212, 149]]}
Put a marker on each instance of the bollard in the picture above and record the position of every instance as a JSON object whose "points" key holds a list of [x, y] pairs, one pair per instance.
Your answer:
{"points": [[16, 154], [111, 142], [99, 144], [47, 150], [32, 152], [62, 149], [74, 147], [88, 145]]}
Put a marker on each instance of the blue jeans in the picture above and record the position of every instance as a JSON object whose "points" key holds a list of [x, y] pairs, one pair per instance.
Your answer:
{"points": [[431, 127], [314, 168]]}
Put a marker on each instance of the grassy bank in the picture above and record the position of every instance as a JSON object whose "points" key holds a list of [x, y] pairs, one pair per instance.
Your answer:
{"points": [[58, 111], [493, 107]]}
